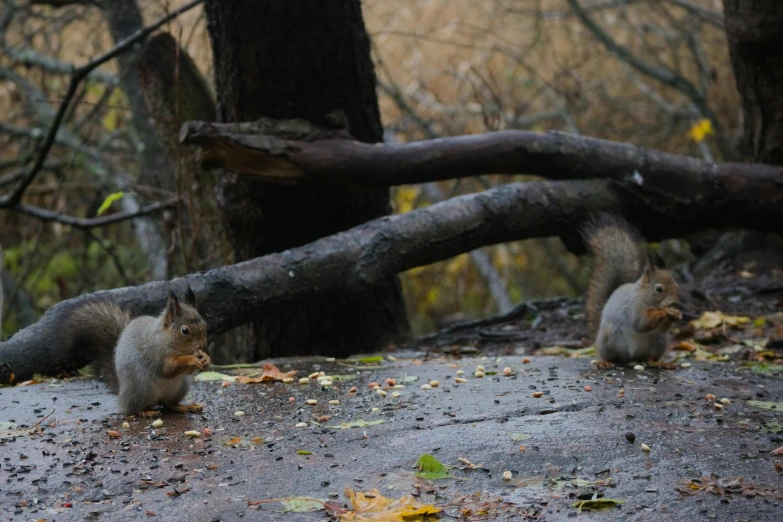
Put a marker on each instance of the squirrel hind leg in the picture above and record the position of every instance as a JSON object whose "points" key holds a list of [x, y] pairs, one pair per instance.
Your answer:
{"points": [[148, 413]]}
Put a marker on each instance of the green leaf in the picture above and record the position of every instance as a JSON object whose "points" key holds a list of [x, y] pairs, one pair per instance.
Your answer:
{"points": [[773, 427], [766, 405], [303, 452], [431, 468], [762, 368], [369, 360], [214, 376], [598, 503], [111, 198], [519, 437], [359, 423], [408, 378], [302, 505]]}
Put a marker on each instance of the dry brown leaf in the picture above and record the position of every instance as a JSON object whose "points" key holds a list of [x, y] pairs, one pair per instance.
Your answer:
{"points": [[270, 373], [709, 320], [372, 506]]}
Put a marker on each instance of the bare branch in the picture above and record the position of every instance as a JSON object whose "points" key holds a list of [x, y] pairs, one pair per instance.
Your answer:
{"points": [[81, 72], [88, 223], [663, 75]]}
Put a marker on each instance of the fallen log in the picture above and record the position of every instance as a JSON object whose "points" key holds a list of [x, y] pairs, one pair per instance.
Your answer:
{"points": [[295, 151], [360, 257]]}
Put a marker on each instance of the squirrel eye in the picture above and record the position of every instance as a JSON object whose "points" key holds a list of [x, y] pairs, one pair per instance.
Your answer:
{"points": [[185, 330], [658, 288]]}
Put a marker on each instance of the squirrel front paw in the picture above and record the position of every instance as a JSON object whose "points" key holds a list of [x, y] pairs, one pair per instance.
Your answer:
{"points": [[673, 314], [204, 358], [195, 363]]}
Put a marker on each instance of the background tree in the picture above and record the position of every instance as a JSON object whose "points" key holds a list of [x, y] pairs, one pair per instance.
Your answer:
{"points": [[305, 60]]}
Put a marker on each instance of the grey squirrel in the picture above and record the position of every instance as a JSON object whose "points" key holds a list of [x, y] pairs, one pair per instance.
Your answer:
{"points": [[147, 361], [630, 296]]}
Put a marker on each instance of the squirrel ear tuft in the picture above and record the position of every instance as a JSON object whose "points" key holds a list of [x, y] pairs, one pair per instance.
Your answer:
{"points": [[172, 307], [190, 297], [655, 260]]}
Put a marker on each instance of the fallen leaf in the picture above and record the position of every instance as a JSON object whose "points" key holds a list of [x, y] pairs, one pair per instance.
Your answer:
{"points": [[360, 423], [597, 503], [766, 405], [270, 373], [431, 468], [302, 505], [709, 320], [408, 378], [303, 452], [762, 368], [519, 437], [372, 506], [214, 376], [369, 360]]}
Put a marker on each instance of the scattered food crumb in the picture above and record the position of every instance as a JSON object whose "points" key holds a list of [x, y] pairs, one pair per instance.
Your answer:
{"points": [[192, 433], [725, 401], [375, 410], [434, 383], [334, 402], [588, 388], [157, 424], [460, 379], [292, 399], [396, 394], [645, 447], [709, 397], [125, 425], [638, 368], [506, 475], [525, 360], [330, 359], [426, 387], [304, 380], [239, 413], [301, 425], [506, 371], [538, 394], [686, 365], [479, 368], [718, 406], [478, 374], [113, 434], [312, 402], [353, 389], [288, 380], [460, 372], [381, 392]]}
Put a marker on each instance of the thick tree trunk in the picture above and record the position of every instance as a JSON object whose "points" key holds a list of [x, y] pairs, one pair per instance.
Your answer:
{"points": [[303, 59], [753, 28]]}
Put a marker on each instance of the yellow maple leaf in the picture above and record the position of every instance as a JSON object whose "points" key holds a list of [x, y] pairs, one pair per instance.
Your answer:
{"points": [[374, 507], [709, 320], [700, 130]]}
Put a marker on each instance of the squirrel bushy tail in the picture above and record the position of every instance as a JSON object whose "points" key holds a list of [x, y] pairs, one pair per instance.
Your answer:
{"points": [[94, 327], [618, 258]]}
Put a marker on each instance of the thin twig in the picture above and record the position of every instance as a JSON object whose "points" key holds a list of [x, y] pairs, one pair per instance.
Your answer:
{"points": [[87, 223]]}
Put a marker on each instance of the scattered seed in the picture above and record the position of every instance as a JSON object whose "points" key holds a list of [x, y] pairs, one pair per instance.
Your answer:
{"points": [[113, 434], [525, 360], [239, 413], [375, 410], [334, 402], [725, 401], [478, 374], [645, 447], [353, 390], [157, 424], [390, 382], [434, 384], [391, 358], [506, 371], [686, 365], [125, 425], [326, 383], [426, 387], [292, 399], [373, 385], [718, 406], [538, 394], [638, 368], [315, 375], [304, 380], [396, 395], [330, 359], [301, 425], [588, 388], [192, 433], [479, 368], [460, 372], [288, 380], [381, 393], [399, 386], [709, 397], [312, 402], [460, 379], [506, 475]]}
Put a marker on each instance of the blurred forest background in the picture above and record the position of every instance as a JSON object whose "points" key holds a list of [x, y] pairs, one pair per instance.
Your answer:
{"points": [[444, 67]]}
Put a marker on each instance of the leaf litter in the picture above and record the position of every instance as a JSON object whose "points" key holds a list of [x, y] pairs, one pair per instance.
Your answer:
{"points": [[373, 506]]}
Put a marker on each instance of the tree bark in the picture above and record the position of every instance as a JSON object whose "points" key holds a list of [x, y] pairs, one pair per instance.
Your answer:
{"points": [[753, 29], [303, 59], [375, 251], [302, 153]]}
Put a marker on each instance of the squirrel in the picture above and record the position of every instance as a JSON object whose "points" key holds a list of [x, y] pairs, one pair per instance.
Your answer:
{"points": [[630, 296], [147, 361]]}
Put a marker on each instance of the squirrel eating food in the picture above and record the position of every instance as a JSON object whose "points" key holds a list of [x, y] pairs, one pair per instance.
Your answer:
{"points": [[630, 296], [147, 361]]}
